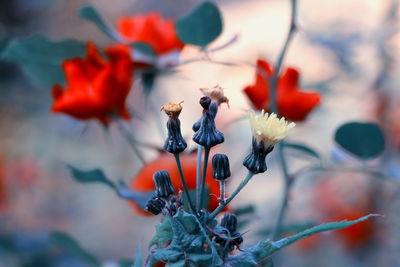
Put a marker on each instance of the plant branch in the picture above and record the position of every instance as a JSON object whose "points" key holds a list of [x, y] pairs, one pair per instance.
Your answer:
{"points": [[274, 108], [185, 188], [131, 140], [229, 199], [203, 180], [198, 175]]}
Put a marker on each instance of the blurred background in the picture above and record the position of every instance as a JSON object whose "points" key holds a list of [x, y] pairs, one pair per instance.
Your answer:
{"points": [[346, 50]]}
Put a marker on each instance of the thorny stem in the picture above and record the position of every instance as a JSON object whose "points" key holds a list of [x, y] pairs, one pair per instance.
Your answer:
{"points": [[229, 199], [185, 188], [273, 105], [198, 174], [132, 142], [222, 192], [203, 180]]}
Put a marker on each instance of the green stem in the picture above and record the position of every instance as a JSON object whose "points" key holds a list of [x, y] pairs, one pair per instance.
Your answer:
{"points": [[131, 140], [222, 192], [274, 108], [185, 188], [229, 199], [198, 175], [203, 180]]}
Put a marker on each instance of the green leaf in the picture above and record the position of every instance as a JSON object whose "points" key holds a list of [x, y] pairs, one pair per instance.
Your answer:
{"points": [[126, 263], [89, 13], [163, 234], [303, 148], [92, 176], [363, 140], [72, 247], [266, 248], [202, 26], [41, 58], [245, 210], [148, 78]]}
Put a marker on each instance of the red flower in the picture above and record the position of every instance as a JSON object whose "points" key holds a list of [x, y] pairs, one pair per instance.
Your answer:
{"points": [[143, 181], [292, 103], [96, 87], [152, 29]]}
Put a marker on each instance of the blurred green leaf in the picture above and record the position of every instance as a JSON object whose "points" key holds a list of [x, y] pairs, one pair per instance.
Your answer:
{"points": [[244, 210], [363, 140], [148, 78], [92, 176], [126, 263], [163, 234], [192, 194], [89, 13], [41, 58], [72, 247], [202, 26], [303, 149]]}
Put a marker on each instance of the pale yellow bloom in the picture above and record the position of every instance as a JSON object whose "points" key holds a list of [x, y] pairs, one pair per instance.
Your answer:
{"points": [[268, 128]]}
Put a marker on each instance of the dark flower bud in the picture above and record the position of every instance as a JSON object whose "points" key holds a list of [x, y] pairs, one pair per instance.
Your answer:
{"points": [[255, 161], [155, 205], [205, 102], [229, 221], [174, 142], [220, 164], [162, 181], [208, 135]]}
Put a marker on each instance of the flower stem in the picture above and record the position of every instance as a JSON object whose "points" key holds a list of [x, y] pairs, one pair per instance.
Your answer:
{"points": [[274, 108], [222, 192], [229, 199], [185, 188], [198, 175], [203, 180], [131, 140]]}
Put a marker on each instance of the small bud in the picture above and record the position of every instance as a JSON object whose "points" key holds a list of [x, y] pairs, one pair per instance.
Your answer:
{"points": [[205, 102], [155, 205], [255, 161], [207, 135], [220, 164], [229, 221], [162, 181]]}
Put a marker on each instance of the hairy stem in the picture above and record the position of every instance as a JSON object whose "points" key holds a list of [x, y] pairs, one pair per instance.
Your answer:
{"points": [[131, 140], [229, 199], [185, 188], [222, 192], [203, 180], [274, 108], [198, 175]]}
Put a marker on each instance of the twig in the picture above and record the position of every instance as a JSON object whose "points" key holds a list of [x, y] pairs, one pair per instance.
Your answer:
{"points": [[274, 108], [132, 142]]}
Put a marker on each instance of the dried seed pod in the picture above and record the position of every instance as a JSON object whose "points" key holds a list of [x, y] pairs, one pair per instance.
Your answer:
{"points": [[220, 165], [155, 205], [162, 181]]}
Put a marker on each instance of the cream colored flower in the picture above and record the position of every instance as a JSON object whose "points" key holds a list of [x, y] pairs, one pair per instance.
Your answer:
{"points": [[216, 93], [172, 110], [268, 128]]}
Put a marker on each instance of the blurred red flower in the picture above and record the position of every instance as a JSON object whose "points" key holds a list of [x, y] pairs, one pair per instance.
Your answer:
{"points": [[292, 103], [96, 87], [152, 29], [3, 190], [143, 181]]}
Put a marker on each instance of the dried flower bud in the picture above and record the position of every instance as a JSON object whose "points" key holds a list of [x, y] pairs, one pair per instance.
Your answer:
{"points": [[229, 221], [155, 205], [174, 142], [162, 181], [255, 161], [220, 164], [172, 110], [216, 94], [208, 135]]}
